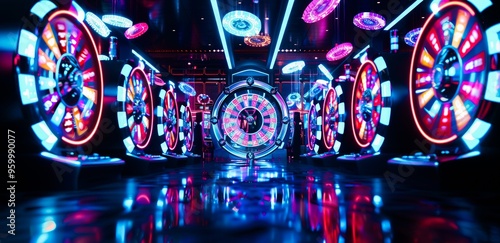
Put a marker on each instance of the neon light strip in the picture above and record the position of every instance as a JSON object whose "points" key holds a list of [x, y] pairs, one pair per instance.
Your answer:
{"points": [[361, 52], [281, 33], [215, 9], [325, 72], [403, 14], [145, 61]]}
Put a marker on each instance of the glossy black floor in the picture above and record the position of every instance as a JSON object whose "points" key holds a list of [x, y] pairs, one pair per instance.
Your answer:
{"points": [[267, 201]]}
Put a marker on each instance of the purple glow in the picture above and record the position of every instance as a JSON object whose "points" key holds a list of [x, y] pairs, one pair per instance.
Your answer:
{"points": [[319, 9], [369, 21], [339, 51], [412, 36], [136, 30]]}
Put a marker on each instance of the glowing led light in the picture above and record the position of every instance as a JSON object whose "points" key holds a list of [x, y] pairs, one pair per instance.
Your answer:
{"points": [[403, 14], [286, 16], [136, 30], [258, 40], [369, 21], [339, 51], [412, 36], [103, 58], [187, 89], [318, 10], [293, 67], [241, 23], [118, 21], [97, 25], [222, 36], [325, 71]]}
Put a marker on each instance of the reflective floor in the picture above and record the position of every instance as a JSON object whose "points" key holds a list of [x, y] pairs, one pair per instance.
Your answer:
{"points": [[263, 201]]}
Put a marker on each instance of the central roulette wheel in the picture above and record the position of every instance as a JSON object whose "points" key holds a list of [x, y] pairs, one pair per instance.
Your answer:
{"points": [[250, 119]]}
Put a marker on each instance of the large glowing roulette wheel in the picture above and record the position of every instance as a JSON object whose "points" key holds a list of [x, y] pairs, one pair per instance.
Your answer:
{"points": [[250, 119], [60, 77], [168, 121], [135, 109], [333, 119], [371, 105], [454, 77]]}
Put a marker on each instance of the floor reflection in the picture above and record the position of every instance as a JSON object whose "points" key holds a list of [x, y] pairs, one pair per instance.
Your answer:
{"points": [[264, 201]]}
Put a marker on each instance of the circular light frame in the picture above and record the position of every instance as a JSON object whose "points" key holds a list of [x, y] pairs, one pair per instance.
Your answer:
{"points": [[339, 51], [241, 23], [369, 21], [318, 10], [412, 36], [136, 30], [293, 67], [116, 20]]}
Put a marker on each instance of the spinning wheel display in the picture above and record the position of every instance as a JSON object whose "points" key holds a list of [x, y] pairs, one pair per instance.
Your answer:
{"points": [[135, 109], [250, 119], [186, 127], [370, 105], [314, 128], [333, 119], [452, 82], [168, 121], [60, 77]]}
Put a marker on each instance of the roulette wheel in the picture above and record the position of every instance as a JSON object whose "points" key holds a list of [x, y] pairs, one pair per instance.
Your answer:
{"points": [[250, 119], [454, 78]]}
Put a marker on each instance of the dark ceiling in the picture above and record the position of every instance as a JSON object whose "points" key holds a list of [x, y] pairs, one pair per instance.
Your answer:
{"points": [[184, 34]]}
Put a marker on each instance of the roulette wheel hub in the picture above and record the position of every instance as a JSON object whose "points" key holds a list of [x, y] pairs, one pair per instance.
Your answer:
{"points": [[446, 74], [70, 80]]}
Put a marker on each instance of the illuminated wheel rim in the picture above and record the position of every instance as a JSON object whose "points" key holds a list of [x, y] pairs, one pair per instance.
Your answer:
{"points": [[333, 118], [318, 10], [451, 81], [60, 83], [168, 118], [250, 119], [135, 113], [370, 104], [314, 127], [186, 123]]}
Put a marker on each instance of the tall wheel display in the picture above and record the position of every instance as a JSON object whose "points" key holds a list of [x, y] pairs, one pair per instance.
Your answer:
{"points": [[314, 128], [60, 78], [250, 119], [371, 105], [454, 76], [186, 129], [135, 109], [168, 121], [333, 119]]}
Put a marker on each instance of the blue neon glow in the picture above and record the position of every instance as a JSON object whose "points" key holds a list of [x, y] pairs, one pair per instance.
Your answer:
{"points": [[103, 58], [241, 23], [491, 92], [293, 67], [46, 83], [27, 89], [58, 114], [327, 74], [27, 43], [341, 127], [336, 145], [475, 133], [129, 144], [145, 61], [481, 5], [361, 52], [386, 89], [41, 8], [385, 115], [403, 14], [380, 63], [377, 142], [43, 133], [118, 21], [97, 25], [80, 13], [63, 159], [434, 6], [281, 33], [222, 35], [377, 201]]}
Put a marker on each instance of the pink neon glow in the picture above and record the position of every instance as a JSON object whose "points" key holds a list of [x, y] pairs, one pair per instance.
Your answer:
{"points": [[339, 51], [318, 10], [136, 30], [369, 21]]}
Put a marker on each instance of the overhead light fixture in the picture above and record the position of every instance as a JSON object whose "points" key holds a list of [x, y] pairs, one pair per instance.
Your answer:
{"points": [[97, 25], [284, 22], [222, 35], [412, 36], [136, 30], [339, 51], [403, 14], [369, 21], [241, 23], [116, 20], [258, 40], [293, 67], [318, 10]]}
